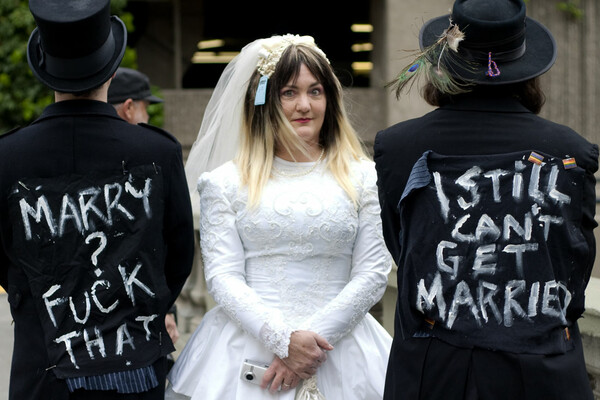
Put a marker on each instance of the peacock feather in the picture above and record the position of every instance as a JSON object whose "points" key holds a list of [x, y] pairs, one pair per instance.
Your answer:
{"points": [[431, 64]]}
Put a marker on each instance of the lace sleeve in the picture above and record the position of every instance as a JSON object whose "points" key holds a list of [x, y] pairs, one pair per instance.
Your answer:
{"points": [[224, 267], [371, 264]]}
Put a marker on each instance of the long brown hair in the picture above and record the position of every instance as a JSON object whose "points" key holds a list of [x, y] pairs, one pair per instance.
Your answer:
{"points": [[265, 126], [529, 93]]}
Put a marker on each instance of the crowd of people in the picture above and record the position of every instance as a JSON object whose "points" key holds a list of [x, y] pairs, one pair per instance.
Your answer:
{"points": [[486, 209]]}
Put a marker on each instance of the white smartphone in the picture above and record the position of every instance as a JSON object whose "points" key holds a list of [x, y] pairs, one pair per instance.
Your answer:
{"points": [[253, 371]]}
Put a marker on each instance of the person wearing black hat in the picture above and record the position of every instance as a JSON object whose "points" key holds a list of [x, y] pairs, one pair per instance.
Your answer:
{"points": [[129, 92], [488, 211], [95, 223]]}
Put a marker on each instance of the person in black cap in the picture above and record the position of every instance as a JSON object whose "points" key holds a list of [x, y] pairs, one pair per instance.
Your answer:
{"points": [[488, 211], [95, 223], [129, 92]]}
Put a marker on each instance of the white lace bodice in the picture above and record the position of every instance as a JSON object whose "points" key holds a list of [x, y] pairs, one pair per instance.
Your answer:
{"points": [[305, 258]]}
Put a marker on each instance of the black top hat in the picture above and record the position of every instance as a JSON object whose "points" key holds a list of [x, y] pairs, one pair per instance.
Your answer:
{"points": [[77, 45], [501, 45], [130, 84]]}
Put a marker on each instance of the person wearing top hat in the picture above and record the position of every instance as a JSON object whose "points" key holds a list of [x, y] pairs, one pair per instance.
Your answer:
{"points": [[488, 211], [95, 223], [129, 92]]}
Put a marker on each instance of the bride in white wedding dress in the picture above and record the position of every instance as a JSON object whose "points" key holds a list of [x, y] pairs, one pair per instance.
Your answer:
{"points": [[290, 236]]}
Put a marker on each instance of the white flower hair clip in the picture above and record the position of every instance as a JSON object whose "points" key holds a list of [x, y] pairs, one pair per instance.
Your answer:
{"points": [[273, 47], [269, 55]]}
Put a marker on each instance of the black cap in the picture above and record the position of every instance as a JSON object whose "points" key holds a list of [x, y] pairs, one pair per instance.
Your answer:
{"points": [[77, 45], [130, 84]]}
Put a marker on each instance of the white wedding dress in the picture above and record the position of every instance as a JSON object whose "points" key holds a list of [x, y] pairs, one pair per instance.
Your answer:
{"points": [[305, 258]]}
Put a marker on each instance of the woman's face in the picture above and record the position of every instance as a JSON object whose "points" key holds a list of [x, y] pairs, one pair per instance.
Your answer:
{"points": [[304, 103]]}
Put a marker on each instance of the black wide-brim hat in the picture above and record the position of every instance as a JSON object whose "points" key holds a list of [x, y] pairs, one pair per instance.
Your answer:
{"points": [[77, 45], [498, 38]]}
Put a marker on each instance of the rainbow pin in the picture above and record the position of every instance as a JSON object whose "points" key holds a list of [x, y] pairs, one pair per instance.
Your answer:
{"points": [[569, 163], [536, 158]]}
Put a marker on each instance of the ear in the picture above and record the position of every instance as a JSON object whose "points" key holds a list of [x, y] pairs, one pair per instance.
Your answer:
{"points": [[128, 108], [125, 110]]}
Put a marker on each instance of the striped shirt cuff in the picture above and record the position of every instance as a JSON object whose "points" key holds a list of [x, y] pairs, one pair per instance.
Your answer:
{"points": [[135, 381]]}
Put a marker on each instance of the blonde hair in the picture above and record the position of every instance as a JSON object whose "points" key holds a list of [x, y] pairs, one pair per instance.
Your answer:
{"points": [[264, 127]]}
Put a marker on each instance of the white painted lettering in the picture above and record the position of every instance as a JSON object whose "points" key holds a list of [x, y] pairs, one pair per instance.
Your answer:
{"points": [[517, 192], [103, 309], [98, 342], [552, 290], [486, 229], [457, 235], [534, 295], [142, 194], [462, 297], [512, 290], [435, 292], [113, 203], [69, 211], [442, 198], [548, 220], [534, 184], [131, 279], [123, 337], [42, 206], [90, 205], [52, 303], [495, 176], [511, 223], [485, 260], [485, 299], [467, 182], [88, 309], [146, 321], [441, 261], [66, 339], [518, 250], [554, 194]]}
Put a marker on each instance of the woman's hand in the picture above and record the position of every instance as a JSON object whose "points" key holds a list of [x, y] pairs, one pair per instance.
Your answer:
{"points": [[171, 326], [307, 351], [279, 375]]}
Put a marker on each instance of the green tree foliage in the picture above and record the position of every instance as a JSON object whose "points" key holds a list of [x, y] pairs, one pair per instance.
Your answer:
{"points": [[22, 96], [571, 8], [156, 111]]}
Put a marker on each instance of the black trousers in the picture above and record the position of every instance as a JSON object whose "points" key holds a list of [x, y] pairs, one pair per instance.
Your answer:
{"points": [[430, 369], [158, 393]]}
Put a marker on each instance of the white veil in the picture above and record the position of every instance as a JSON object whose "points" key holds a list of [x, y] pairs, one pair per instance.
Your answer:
{"points": [[219, 133], [221, 127]]}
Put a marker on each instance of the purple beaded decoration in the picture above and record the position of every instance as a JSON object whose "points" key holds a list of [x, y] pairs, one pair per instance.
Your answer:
{"points": [[493, 70]]}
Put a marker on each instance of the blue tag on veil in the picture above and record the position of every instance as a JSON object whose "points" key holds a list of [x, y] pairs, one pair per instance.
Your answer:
{"points": [[261, 91]]}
